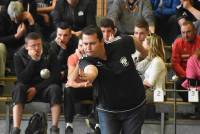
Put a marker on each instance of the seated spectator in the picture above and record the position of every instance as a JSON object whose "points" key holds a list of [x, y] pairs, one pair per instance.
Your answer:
{"points": [[154, 75], [75, 90], [32, 85], [108, 29], [14, 24], [77, 13], [124, 13], [45, 7], [193, 71], [63, 46], [188, 10], [43, 20], [141, 30], [182, 48], [166, 22]]}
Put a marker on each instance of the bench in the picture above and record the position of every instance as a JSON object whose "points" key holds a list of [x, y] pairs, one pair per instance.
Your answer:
{"points": [[170, 106], [8, 101], [31, 107]]}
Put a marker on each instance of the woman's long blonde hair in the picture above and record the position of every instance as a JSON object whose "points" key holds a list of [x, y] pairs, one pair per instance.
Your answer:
{"points": [[156, 46]]}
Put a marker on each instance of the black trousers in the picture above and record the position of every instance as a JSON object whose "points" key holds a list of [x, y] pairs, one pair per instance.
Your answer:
{"points": [[183, 95], [52, 94], [73, 95]]}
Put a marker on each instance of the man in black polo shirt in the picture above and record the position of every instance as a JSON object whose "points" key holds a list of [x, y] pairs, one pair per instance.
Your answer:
{"points": [[119, 88]]}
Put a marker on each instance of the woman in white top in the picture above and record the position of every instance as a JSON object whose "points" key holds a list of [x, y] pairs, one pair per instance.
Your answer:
{"points": [[154, 76]]}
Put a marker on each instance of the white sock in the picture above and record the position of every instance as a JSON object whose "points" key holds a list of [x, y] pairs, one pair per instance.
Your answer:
{"points": [[97, 125], [69, 124]]}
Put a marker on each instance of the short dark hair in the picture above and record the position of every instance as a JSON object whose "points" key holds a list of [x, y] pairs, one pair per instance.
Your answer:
{"points": [[141, 23], [32, 36], [188, 23], [90, 30], [107, 22], [63, 25]]}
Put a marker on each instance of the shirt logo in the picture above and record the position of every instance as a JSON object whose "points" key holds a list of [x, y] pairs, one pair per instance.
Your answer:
{"points": [[124, 61], [80, 13], [99, 63]]}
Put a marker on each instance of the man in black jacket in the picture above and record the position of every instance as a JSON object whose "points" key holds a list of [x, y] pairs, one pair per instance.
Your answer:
{"points": [[37, 79], [77, 13], [14, 24], [63, 46]]}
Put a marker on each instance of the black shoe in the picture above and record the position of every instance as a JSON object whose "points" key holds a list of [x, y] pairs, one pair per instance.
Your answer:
{"points": [[97, 130], [68, 130], [54, 130], [15, 130]]}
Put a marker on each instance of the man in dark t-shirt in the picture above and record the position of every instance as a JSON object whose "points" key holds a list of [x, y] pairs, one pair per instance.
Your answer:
{"points": [[110, 68]]}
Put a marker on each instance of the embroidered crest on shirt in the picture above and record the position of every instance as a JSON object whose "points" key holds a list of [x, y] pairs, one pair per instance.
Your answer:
{"points": [[124, 61], [99, 63], [80, 13]]}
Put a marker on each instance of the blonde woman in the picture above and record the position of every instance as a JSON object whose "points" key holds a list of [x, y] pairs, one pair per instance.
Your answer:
{"points": [[155, 70]]}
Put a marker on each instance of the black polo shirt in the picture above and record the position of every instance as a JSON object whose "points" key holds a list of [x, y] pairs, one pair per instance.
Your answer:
{"points": [[118, 85]]}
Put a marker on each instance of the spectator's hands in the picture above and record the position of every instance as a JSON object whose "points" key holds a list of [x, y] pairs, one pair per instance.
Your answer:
{"points": [[27, 16], [181, 21], [31, 92], [80, 53], [75, 84], [34, 54], [60, 43], [21, 30], [78, 33], [111, 37]]}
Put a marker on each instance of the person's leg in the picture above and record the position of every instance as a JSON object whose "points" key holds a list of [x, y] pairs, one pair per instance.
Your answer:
{"points": [[71, 96], [183, 95], [68, 105], [109, 123], [133, 121], [19, 98], [2, 64], [55, 98]]}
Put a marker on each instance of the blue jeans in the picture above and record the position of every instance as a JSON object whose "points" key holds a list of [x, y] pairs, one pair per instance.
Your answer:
{"points": [[126, 122]]}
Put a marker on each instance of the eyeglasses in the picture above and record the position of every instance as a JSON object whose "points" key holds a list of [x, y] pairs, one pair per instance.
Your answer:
{"points": [[35, 46]]}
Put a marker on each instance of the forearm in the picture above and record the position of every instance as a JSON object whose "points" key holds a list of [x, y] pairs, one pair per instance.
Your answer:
{"points": [[72, 75], [146, 83], [194, 12]]}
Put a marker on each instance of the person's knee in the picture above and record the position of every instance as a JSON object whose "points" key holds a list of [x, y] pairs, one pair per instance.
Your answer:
{"points": [[55, 94], [19, 93], [19, 88], [55, 90], [3, 51]]}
